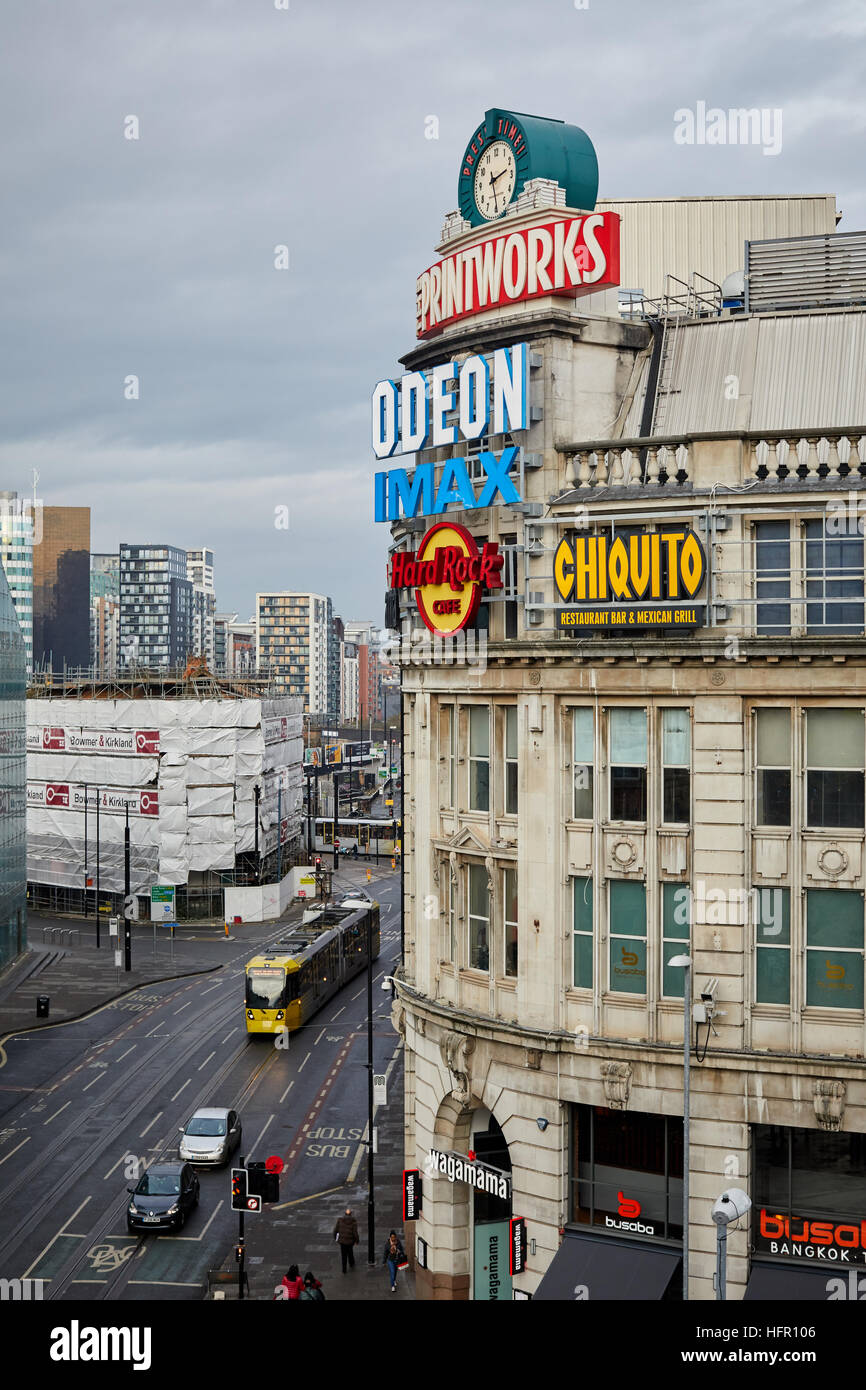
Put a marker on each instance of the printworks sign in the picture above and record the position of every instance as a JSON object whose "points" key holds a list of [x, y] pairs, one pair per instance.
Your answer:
{"points": [[630, 582], [800, 1238], [448, 573]]}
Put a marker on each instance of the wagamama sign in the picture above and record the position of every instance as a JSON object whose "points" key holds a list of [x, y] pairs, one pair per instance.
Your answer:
{"points": [[459, 1169]]}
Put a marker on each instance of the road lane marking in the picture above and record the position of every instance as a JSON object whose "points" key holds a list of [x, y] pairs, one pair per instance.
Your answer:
{"points": [[107, 1175], [218, 985], [182, 1088], [151, 1125], [91, 1083], [153, 1030], [56, 1113], [206, 1060], [337, 1014], [61, 1232], [200, 1236], [319, 1038], [126, 1053], [182, 1007], [353, 1171], [286, 1091], [300, 1068], [258, 1138], [227, 1036], [21, 1145], [360, 992]]}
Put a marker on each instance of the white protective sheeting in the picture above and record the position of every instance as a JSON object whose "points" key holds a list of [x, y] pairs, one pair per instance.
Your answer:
{"points": [[185, 768]]}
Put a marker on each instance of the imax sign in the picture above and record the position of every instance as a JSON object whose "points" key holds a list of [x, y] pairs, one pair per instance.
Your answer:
{"points": [[417, 494]]}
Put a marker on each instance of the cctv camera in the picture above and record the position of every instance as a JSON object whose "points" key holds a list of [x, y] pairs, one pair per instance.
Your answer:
{"points": [[731, 1206], [542, 1123]]}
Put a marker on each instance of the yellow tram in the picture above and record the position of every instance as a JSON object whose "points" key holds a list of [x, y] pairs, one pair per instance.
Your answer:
{"points": [[286, 984]]}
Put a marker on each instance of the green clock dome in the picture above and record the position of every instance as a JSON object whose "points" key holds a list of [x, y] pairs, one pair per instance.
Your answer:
{"points": [[540, 148]]}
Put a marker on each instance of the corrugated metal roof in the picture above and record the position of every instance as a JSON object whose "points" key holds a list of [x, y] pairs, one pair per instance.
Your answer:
{"points": [[661, 236], [809, 371]]}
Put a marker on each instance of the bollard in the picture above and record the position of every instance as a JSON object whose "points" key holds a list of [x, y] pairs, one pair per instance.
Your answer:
{"points": [[43, 1004]]}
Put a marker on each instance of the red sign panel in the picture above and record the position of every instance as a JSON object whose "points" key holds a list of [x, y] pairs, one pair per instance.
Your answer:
{"points": [[411, 1194], [570, 256]]}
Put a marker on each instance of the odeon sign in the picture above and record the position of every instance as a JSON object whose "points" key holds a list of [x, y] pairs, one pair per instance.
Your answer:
{"points": [[490, 397], [448, 573]]}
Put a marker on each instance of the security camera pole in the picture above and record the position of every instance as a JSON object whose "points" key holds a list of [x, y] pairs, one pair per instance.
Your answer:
{"points": [[730, 1207], [685, 962]]}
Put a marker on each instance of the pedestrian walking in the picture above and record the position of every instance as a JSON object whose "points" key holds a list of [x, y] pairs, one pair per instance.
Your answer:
{"points": [[291, 1283], [346, 1232], [312, 1290], [394, 1258]]}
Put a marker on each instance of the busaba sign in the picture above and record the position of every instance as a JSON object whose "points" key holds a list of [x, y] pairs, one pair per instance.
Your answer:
{"points": [[800, 1238], [632, 581], [570, 256], [448, 573]]}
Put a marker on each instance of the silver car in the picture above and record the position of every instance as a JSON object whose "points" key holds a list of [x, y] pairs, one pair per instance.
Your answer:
{"points": [[210, 1137]]}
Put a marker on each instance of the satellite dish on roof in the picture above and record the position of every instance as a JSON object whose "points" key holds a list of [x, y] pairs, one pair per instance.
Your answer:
{"points": [[734, 287]]}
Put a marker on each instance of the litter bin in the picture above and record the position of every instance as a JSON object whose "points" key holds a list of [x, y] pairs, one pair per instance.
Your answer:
{"points": [[42, 1005]]}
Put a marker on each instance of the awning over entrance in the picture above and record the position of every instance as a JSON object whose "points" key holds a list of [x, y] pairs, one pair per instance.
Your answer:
{"points": [[608, 1268], [803, 1283]]}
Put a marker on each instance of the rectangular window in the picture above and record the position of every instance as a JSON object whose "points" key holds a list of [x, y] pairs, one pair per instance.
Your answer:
{"points": [[624, 1156], [834, 948], [773, 577], [452, 916], [627, 937], [676, 927], [479, 758], [676, 762], [834, 570], [582, 925], [834, 768], [447, 750], [583, 761], [773, 767], [628, 749], [479, 918], [511, 923], [771, 909], [508, 547], [511, 760]]}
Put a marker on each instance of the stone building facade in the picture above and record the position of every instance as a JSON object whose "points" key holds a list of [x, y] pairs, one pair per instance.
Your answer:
{"points": [[589, 804]]}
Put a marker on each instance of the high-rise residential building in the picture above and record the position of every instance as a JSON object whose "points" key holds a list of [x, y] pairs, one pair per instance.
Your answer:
{"points": [[369, 679], [156, 606], [16, 557], [104, 613], [199, 570], [295, 643], [349, 684], [234, 645], [61, 589], [13, 780]]}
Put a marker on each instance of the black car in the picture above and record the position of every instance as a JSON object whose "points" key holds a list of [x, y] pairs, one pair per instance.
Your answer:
{"points": [[163, 1198]]}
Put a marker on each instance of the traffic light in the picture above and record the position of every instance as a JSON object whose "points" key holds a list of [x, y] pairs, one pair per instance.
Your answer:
{"points": [[318, 861], [239, 1189], [263, 1184]]}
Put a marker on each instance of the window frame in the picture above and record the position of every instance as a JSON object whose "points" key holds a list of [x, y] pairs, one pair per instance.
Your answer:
{"points": [[611, 710], [472, 758]]}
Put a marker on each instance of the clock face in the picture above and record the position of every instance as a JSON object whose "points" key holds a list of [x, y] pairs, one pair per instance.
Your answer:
{"points": [[495, 177]]}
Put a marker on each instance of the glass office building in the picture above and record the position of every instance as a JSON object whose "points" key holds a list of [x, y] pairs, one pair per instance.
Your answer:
{"points": [[13, 782]]}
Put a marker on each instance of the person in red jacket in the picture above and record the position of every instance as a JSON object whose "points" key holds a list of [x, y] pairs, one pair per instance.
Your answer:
{"points": [[292, 1282]]}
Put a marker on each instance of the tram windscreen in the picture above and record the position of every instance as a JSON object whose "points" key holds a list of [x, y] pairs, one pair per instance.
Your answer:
{"points": [[266, 985]]}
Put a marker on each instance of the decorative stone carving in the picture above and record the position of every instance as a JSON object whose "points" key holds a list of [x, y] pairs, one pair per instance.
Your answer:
{"points": [[535, 678], [398, 1018], [452, 861], [435, 875], [491, 873], [456, 1050], [828, 1098], [623, 852], [833, 861], [617, 1083]]}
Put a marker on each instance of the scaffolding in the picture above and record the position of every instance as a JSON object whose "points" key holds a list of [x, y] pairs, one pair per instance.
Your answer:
{"points": [[193, 682]]}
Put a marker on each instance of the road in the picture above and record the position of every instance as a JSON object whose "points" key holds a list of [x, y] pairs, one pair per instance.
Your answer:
{"points": [[85, 1105]]}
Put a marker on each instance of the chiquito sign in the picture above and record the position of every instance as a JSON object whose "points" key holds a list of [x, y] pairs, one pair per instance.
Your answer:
{"points": [[448, 573], [426, 411], [633, 582]]}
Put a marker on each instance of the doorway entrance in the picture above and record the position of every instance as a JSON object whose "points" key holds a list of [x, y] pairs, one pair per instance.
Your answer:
{"points": [[491, 1281]]}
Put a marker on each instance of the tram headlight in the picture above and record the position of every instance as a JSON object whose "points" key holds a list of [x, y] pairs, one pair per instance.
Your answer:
{"points": [[280, 1014], [249, 1013]]}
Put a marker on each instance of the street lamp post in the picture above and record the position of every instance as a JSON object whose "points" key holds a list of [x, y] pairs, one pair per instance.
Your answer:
{"points": [[685, 963], [97, 866], [371, 1198], [257, 791], [86, 895]]}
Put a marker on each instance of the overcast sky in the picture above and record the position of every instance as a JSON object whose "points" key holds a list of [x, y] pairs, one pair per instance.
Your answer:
{"points": [[305, 126]]}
